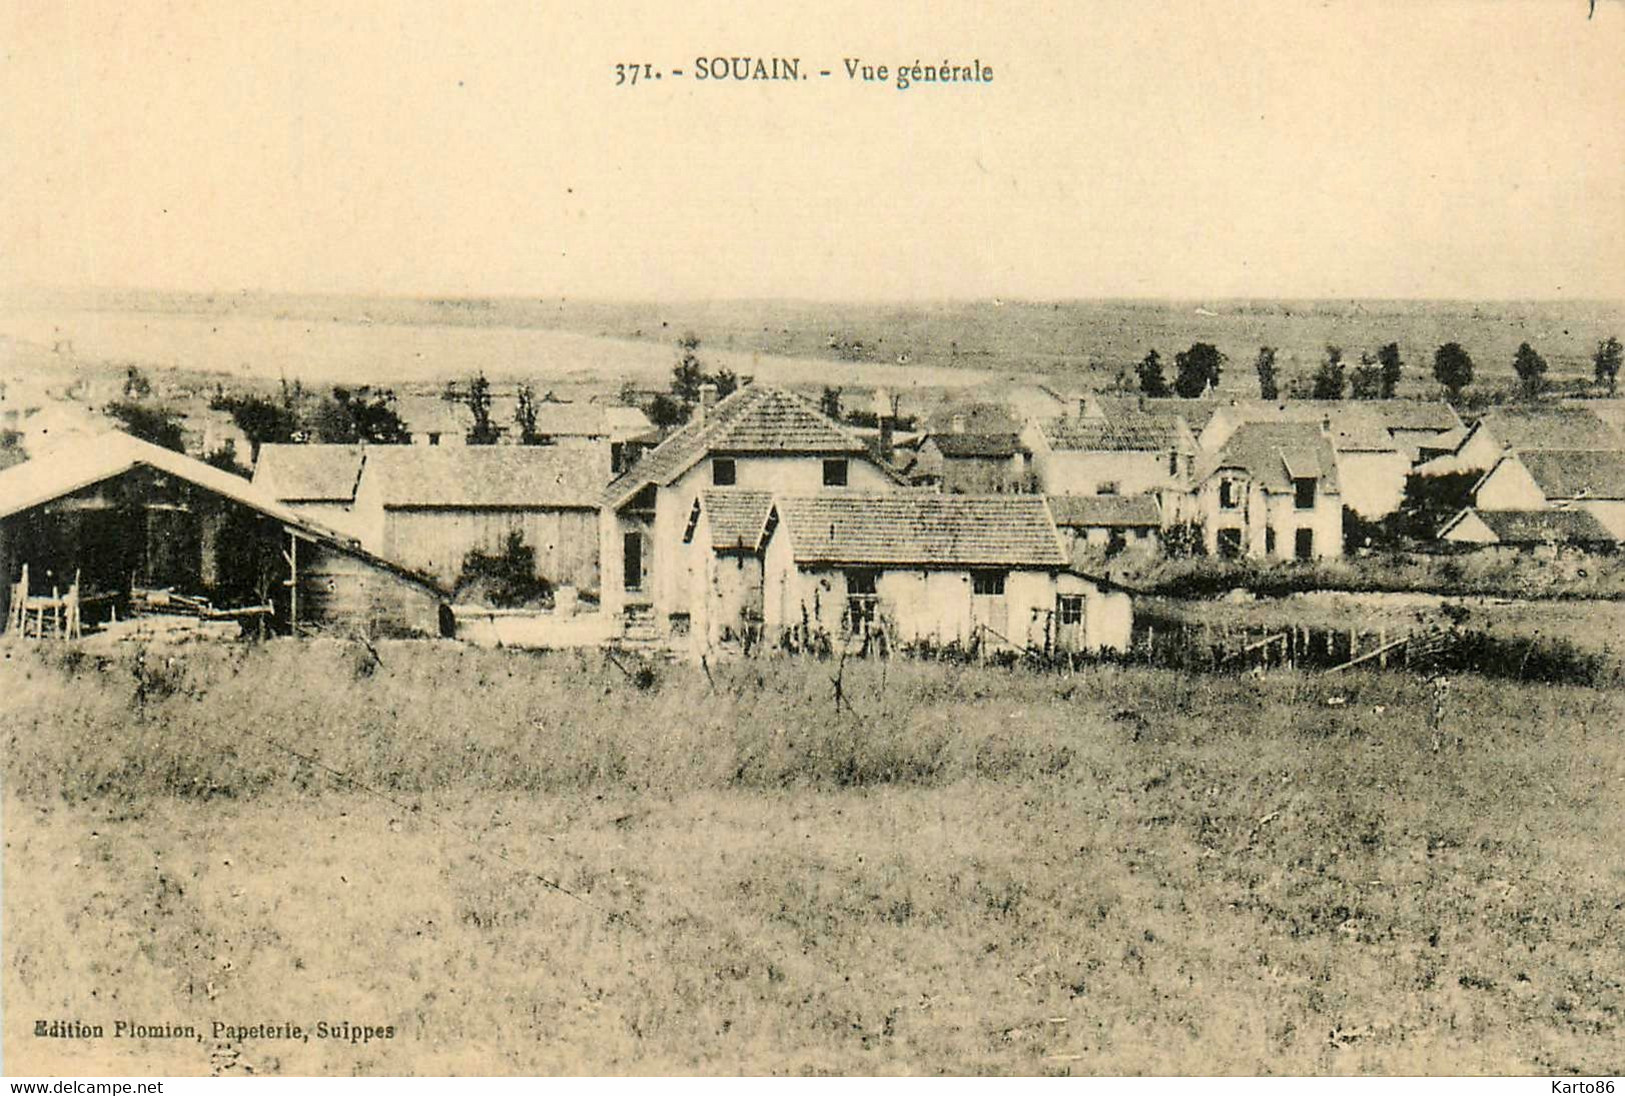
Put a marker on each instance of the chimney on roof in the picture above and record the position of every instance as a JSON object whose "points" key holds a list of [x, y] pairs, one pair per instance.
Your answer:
{"points": [[886, 428], [708, 400], [959, 424], [1326, 423]]}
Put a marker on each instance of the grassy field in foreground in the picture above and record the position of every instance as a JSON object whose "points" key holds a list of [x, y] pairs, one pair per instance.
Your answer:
{"points": [[1118, 871]]}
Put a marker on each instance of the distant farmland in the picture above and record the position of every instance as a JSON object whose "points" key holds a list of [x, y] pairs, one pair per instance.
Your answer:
{"points": [[1085, 343]]}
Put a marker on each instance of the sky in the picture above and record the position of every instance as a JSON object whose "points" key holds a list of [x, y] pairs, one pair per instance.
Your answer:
{"points": [[1227, 148]]}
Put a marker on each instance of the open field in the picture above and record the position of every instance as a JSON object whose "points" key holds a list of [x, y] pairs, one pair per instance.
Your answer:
{"points": [[1081, 343], [976, 871]]}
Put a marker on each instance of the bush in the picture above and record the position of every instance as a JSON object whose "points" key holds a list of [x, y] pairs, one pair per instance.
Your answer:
{"points": [[506, 579]]}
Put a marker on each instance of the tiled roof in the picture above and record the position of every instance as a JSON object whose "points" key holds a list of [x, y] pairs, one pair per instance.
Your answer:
{"points": [[309, 473], [737, 516], [921, 529], [1136, 431], [1355, 425], [751, 420], [1537, 526], [980, 417], [977, 445], [1571, 473], [1264, 449], [566, 476], [1126, 511], [1550, 427], [1196, 412]]}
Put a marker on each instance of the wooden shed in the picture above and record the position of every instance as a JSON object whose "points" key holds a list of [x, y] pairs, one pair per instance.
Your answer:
{"points": [[128, 527]]}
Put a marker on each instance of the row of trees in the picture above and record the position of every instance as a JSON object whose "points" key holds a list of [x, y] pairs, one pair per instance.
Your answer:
{"points": [[1375, 377]]}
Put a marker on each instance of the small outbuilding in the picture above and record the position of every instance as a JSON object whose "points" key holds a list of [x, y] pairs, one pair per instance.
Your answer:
{"points": [[114, 525]]}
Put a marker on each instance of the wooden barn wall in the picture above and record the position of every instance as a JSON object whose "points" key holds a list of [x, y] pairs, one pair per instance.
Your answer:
{"points": [[339, 592], [437, 541]]}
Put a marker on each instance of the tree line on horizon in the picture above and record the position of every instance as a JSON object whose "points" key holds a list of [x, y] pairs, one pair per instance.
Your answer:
{"points": [[1197, 371]]}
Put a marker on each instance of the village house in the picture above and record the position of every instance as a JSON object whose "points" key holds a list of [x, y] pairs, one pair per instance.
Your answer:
{"points": [[1271, 492], [1133, 453], [123, 526], [1105, 525], [761, 438], [961, 463], [932, 568], [1588, 480], [1522, 428], [1527, 529], [1375, 440]]}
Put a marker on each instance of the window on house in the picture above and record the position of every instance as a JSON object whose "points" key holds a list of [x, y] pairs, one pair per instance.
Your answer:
{"points": [[1069, 608], [1229, 541], [434, 438], [1229, 494], [723, 472], [1107, 487], [835, 473], [987, 583], [862, 601], [1173, 464], [1303, 544], [1116, 541], [1303, 493], [1142, 534], [1269, 541]]}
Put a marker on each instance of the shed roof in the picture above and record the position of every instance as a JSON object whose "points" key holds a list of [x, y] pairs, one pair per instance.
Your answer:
{"points": [[74, 465], [513, 477], [1573, 473], [309, 473], [920, 529], [1121, 511]]}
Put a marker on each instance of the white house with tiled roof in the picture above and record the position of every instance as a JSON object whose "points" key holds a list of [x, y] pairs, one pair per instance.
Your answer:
{"points": [[1592, 480], [1545, 426], [759, 438], [1271, 492], [1132, 453], [924, 567]]}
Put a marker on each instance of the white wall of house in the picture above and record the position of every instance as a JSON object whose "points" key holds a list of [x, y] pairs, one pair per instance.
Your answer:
{"points": [[1372, 482], [670, 571], [1085, 471], [1471, 530], [1610, 513], [1478, 452], [1259, 511], [940, 606], [1509, 486]]}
